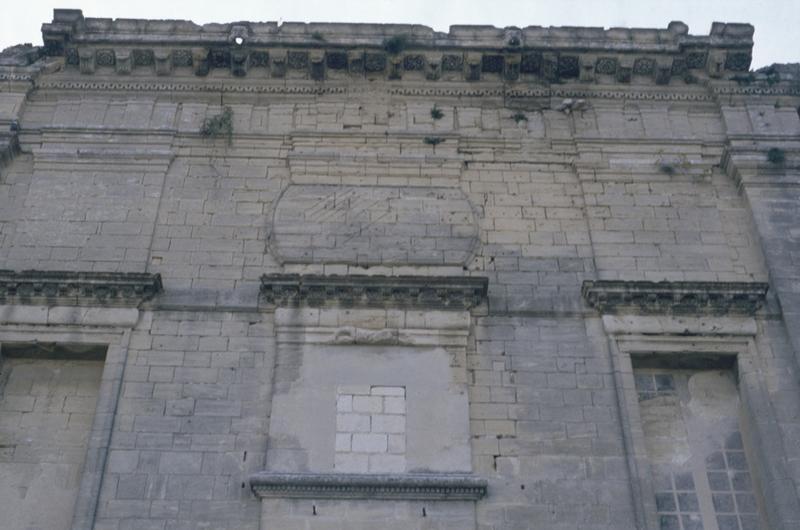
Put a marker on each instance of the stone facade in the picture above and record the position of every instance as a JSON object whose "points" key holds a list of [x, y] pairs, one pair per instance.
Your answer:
{"points": [[329, 276]]}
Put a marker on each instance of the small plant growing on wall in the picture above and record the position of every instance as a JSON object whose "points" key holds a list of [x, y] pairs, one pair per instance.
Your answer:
{"points": [[518, 117], [317, 36], [436, 113], [776, 156], [432, 140], [395, 45], [219, 126]]}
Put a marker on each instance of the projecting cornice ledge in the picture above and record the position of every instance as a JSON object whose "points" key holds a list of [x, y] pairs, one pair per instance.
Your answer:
{"points": [[675, 298], [67, 288], [425, 292], [412, 486], [393, 51]]}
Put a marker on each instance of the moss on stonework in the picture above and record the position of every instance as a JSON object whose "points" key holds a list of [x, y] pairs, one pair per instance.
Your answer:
{"points": [[776, 156], [219, 126]]}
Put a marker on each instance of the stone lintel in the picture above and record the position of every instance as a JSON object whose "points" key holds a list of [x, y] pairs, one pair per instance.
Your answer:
{"points": [[401, 487], [67, 288], [679, 325], [434, 292], [680, 298]]}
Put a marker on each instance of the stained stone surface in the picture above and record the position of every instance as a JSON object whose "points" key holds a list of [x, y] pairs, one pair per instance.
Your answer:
{"points": [[373, 225]]}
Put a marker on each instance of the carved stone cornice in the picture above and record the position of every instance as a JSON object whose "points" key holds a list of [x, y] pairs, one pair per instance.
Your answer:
{"points": [[20, 66], [400, 487], [107, 289], [428, 292], [394, 51], [678, 298]]}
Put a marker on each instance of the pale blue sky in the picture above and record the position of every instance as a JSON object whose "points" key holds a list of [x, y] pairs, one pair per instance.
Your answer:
{"points": [[777, 22]]}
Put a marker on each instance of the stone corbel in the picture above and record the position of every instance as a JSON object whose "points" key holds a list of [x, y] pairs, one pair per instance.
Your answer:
{"points": [[474, 61], [163, 59], [395, 65], [586, 68], [715, 64], [123, 61], [87, 60], [511, 67], [663, 71], [278, 63], [200, 61], [625, 69], [433, 66], [317, 59], [550, 66], [239, 62], [356, 60]]}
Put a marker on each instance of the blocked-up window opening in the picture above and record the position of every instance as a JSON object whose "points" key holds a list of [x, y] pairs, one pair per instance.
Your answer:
{"points": [[48, 394], [693, 435]]}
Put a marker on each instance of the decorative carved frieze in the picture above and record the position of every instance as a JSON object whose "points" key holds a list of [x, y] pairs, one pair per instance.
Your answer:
{"points": [[304, 88], [113, 289], [435, 292], [400, 487], [679, 298], [473, 52]]}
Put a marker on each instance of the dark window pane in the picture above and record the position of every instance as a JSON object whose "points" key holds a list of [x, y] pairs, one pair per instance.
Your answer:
{"points": [[734, 441], [715, 461], [728, 522], [746, 503], [669, 522], [688, 502], [749, 522], [684, 481], [644, 382], [723, 503], [741, 482], [665, 502], [664, 382], [736, 460], [692, 522], [718, 481]]}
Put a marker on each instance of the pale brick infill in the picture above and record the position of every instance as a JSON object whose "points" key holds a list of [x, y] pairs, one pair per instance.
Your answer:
{"points": [[370, 429]]}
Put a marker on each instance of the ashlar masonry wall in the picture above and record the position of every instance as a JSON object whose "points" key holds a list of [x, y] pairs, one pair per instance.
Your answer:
{"points": [[536, 159]]}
